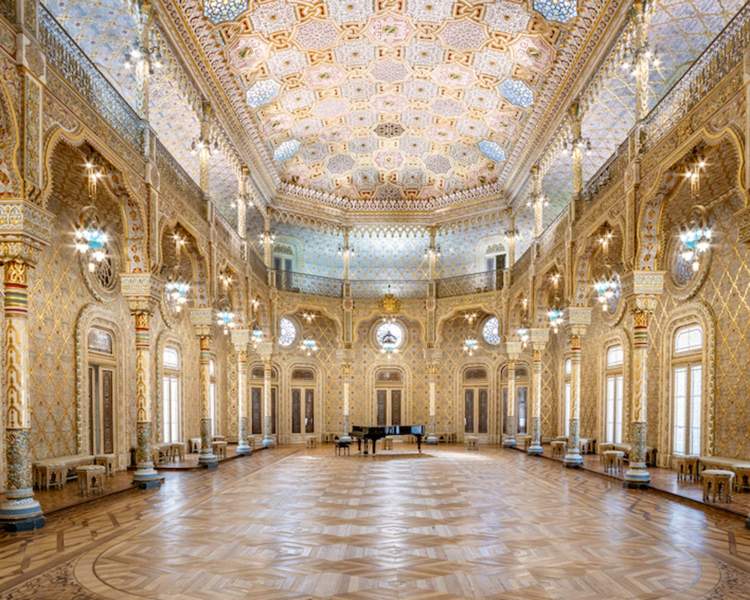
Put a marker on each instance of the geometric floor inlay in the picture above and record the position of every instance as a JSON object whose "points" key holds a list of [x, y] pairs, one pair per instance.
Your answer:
{"points": [[446, 524]]}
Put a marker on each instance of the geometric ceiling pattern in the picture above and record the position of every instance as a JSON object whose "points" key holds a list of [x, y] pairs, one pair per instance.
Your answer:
{"points": [[390, 99]]}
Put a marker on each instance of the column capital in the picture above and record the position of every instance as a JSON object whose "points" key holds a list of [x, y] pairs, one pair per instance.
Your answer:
{"points": [[578, 318], [265, 351], [538, 336], [643, 287], [141, 290], [433, 355], [240, 338], [513, 349], [345, 355], [25, 229], [202, 320]]}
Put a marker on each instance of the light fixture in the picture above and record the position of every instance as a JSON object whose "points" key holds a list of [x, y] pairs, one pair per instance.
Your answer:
{"points": [[90, 238], [606, 287], [471, 345], [341, 251], [226, 279], [225, 320], [581, 144], [93, 175], [266, 235], [144, 59], [695, 240], [555, 318], [179, 242], [309, 317], [470, 317], [432, 252], [388, 341], [555, 313], [177, 292], [693, 171], [309, 347], [256, 336]]}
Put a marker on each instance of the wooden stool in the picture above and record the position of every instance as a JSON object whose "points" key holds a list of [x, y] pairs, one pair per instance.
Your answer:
{"points": [[471, 443], [686, 467], [613, 461], [91, 479], [220, 449], [387, 444], [311, 441], [717, 483], [558, 448], [177, 451], [58, 476], [195, 445], [743, 478], [107, 461]]}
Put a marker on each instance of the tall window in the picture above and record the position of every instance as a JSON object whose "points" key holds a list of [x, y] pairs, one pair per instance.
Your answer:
{"points": [[171, 399], [613, 402], [567, 370], [212, 397], [687, 389]]}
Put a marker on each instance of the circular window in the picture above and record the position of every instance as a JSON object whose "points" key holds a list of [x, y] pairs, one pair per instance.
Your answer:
{"points": [[102, 278], [491, 331], [389, 336], [287, 332]]}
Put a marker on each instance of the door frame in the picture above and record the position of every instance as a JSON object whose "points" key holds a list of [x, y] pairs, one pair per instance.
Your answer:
{"points": [[373, 385], [286, 410]]}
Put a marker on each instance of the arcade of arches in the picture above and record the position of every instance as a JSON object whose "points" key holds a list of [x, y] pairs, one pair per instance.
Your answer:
{"points": [[237, 237]]}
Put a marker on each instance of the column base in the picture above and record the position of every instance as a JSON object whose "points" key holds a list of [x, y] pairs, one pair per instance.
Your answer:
{"points": [[509, 442], [534, 450], [637, 476], [432, 439], [21, 514], [208, 460], [268, 442], [146, 477], [243, 449], [573, 461]]}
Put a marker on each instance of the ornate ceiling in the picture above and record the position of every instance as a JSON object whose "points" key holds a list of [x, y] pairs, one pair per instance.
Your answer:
{"points": [[390, 100]]}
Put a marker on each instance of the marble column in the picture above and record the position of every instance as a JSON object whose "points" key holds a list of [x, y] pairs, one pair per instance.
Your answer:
{"points": [[538, 338], [145, 475], [578, 319], [513, 349], [268, 439], [19, 510], [432, 369], [346, 380], [206, 458], [240, 340]]}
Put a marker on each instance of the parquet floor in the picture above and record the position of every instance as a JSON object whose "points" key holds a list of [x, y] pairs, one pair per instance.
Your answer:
{"points": [[289, 523]]}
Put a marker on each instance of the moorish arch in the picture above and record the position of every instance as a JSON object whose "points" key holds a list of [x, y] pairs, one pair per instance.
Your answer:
{"points": [[590, 257], [180, 249]]}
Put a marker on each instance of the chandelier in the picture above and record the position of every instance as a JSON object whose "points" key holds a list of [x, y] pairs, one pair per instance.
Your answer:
{"points": [[144, 58], [387, 339], [555, 318], [225, 318], [177, 292], [90, 239], [607, 287], [471, 345], [200, 145], [309, 317], [523, 335], [695, 240], [309, 347], [471, 317], [225, 277], [256, 336], [266, 235]]}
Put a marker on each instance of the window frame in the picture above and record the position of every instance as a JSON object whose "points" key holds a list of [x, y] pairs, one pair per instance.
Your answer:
{"points": [[614, 383], [172, 374], [689, 360]]}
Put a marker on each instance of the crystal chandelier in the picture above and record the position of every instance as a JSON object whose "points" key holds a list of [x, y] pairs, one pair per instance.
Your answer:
{"points": [[177, 293], [523, 331], [309, 317], [256, 336], [695, 240], [471, 345], [89, 236], [555, 313], [471, 317], [523, 335], [607, 287], [225, 319], [144, 56], [201, 145], [309, 347]]}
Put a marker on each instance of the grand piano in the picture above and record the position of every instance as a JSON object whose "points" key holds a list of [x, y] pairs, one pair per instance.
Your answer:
{"points": [[366, 433]]}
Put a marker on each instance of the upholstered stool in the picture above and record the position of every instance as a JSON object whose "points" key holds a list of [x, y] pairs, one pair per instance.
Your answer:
{"points": [[195, 445], [311, 441], [91, 479], [743, 478], [387, 443], [58, 474], [220, 448], [717, 483], [603, 447], [558, 448], [471, 443], [177, 451], [686, 467], [613, 461], [107, 461]]}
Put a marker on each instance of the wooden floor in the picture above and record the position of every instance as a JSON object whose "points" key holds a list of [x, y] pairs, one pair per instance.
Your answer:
{"points": [[294, 523]]}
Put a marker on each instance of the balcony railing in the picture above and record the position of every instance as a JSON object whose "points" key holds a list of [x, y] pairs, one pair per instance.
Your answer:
{"points": [[473, 283], [73, 64], [403, 288], [305, 283]]}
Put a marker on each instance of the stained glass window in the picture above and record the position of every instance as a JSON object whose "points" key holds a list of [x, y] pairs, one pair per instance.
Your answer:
{"points": [[492, 150], [262, 92], [390, 335], [287, 332], [286, 150], [219, 11], [491, 331], [556, 10], [517, 92]]}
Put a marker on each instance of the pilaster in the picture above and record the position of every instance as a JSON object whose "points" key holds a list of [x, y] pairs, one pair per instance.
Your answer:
{"points": [[538, 338], [578, 318], [432, 357], [202, 321], [513, 350], [240, 341], [345, 358]]}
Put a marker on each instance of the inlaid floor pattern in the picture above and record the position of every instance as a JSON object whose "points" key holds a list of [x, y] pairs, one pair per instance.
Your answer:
{"points": [[446, 524]]}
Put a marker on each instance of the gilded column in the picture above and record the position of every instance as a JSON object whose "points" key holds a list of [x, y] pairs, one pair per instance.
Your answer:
{"points": [[203, 322], [19, 510], [578, 319], [346, 380], [265, 350], [433, 362], [646, 287], [240, 340], [513, 349], [537, 200], [538, 338], [142, 292]]}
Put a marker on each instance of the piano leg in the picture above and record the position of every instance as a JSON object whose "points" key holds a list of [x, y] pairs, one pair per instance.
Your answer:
{"points": [[419, 443], [374, 442], [359, 445]]}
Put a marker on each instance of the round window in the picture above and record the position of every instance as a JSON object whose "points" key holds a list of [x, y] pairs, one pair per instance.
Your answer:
{"points": [[389, 336], [287, 332]]}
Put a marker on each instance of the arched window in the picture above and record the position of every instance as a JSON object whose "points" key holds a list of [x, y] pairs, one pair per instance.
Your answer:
{"points": [[567, 370], [491, 331], [613, 406], [171, 395], [687, 389], [212, 400], [287, 332]]}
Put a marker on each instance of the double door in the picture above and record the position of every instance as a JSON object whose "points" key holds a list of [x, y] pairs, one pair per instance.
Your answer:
{"points": [[303, 410], [476, 410], [256, 409], [101, 403], [388, 406]]}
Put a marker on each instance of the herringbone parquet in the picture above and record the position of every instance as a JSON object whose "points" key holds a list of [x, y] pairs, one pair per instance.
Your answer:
{"points": [[447, 524]]}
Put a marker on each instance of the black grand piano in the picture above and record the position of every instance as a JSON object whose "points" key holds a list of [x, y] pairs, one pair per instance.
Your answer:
{"points": [[366, 433]]}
